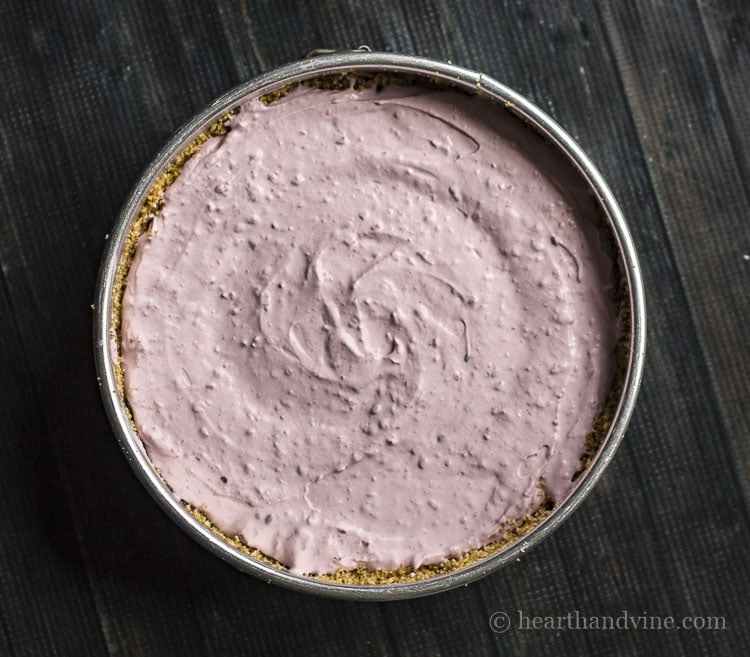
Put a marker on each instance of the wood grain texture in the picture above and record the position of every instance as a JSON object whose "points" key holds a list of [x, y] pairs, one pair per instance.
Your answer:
{"points": [[655, 92], [685, 129]]}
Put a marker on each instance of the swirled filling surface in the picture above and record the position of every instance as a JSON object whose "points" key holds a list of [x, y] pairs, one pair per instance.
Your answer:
{"points": [[369, 327]]}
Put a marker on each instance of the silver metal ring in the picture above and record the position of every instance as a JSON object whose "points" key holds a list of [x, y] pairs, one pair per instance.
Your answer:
{"points": [[337, 62]]}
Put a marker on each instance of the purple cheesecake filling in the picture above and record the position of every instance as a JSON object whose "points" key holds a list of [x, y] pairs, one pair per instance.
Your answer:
{"points": [[368, 328]]}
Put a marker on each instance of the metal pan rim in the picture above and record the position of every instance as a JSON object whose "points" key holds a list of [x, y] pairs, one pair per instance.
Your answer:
{"points": [[314, 67]]}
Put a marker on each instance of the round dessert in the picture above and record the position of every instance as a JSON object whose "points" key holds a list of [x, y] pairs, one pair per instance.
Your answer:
{"points": [[370, 327]]}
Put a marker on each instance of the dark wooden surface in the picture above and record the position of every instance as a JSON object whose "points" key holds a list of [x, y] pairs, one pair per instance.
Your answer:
{"points": [[656, 92]]}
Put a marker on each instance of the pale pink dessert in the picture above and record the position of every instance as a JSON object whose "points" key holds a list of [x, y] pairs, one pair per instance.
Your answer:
{"points": [[370, 327]]}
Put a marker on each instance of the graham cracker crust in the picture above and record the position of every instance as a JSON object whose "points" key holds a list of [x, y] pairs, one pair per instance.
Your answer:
{"points": [[510, 531]]}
